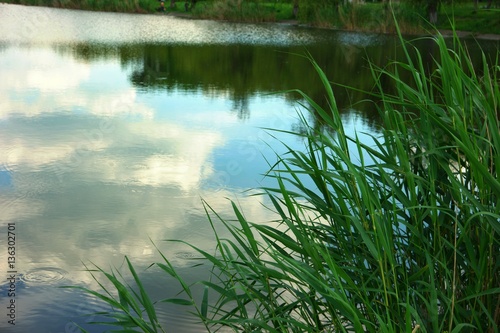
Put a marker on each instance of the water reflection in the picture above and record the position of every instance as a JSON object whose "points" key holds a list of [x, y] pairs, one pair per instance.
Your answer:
{"points": [[113, 127], [93, 168], [239, 72]]}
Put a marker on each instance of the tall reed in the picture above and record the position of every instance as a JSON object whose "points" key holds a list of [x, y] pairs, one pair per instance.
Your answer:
{"points": [[396, 236]]}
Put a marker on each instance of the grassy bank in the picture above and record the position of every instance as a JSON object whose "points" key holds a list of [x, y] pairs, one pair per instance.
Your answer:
{"points": [[397, 236], [370, 16], [125, 6], [467, 18]]}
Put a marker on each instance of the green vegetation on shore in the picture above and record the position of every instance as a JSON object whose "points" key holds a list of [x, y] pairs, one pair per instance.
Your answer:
{"points": [[398, 235], [126, 6], [412, 15], [466, 18]]}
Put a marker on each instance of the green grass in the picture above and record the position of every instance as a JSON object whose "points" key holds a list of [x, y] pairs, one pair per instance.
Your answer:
{"points": [[372, 17], [232, 10], [128, 6], [466, 18], [398, 236]]}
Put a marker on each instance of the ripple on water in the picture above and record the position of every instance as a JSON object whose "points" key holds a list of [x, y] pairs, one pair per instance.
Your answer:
{"points": [[188, 255], [44, 276]]}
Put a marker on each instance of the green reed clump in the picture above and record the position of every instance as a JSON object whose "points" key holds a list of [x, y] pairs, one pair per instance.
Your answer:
{"points": [[131, 307], [397, 236]]}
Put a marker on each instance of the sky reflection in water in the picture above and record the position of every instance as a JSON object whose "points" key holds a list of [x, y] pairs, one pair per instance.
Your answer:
{"points": [[92, 166], [113, 127]]}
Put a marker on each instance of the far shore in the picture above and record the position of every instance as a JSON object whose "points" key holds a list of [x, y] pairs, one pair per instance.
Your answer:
{"points": [[184, 15], [445, 33]]}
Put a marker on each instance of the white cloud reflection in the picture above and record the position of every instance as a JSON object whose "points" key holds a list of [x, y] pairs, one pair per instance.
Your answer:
{"points": [[95, 173], [40, 69], [41, 82], [93, 169], [38, 81]]}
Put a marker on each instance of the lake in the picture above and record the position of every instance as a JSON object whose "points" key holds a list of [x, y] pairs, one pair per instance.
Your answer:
{"points": [[115, 127]]}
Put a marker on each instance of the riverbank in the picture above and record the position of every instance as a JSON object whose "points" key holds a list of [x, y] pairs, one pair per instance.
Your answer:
{"points": [[465, 34], [296, 22], [364, 17]]}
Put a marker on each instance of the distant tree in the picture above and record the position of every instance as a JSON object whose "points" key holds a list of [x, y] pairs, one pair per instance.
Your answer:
{"points": [[432, 10], [295, 8], [476, 4]]}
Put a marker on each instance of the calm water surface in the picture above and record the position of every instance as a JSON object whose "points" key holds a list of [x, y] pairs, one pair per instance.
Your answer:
{"points": [[113, 127]]}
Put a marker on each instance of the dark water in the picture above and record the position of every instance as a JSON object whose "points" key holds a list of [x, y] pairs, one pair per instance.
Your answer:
{"points": [[113, 127]]}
